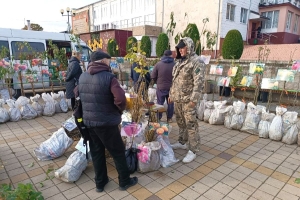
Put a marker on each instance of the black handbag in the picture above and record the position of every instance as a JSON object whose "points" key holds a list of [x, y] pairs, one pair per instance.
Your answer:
{"points": [[131, 159], [77, 113]]}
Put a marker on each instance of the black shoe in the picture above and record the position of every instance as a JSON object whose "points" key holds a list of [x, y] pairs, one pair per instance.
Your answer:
{"points": [[101, 189], [133, 181]]}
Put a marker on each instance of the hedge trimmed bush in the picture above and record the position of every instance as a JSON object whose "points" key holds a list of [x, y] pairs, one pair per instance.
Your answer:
{"points": [[112, 48], [233, 45], [129, 43], [146, 45], [192, 32], [162, 44]]}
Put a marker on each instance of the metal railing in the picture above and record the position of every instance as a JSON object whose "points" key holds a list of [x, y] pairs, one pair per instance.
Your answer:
{"points": [[262, 36]]}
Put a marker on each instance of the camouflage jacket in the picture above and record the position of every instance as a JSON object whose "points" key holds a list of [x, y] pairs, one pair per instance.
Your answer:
{"points": [[188, 76]]}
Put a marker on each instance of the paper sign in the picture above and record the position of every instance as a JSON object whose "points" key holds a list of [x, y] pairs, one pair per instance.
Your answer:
{"points": [[82, 148]]}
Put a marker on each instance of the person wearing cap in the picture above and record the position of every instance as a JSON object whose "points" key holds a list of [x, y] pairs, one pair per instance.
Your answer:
{"points": [[103, 101], [162, 76], [72, 76], [188, 82]]}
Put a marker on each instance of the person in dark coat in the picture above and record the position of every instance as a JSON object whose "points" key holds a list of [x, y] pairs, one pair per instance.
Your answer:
{"points": [[162, 76], [103, 101], [73, 73], [136, 77]]}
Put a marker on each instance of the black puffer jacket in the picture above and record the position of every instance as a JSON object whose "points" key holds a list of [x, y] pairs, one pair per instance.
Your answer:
{"points": [[73, 73], [102, 98]]}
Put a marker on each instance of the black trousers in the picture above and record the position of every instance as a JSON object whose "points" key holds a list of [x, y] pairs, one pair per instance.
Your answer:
{"points": [[108, 137], [73, 103]]}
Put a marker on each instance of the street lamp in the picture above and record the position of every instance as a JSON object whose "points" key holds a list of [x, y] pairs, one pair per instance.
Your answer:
{"points": [[69, 13]]}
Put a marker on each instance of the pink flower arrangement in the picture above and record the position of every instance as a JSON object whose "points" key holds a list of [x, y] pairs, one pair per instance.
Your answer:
{"points": [[36, 62], [4, 64], [296, 66], [31, 78], [19, 67], [143, 154]]}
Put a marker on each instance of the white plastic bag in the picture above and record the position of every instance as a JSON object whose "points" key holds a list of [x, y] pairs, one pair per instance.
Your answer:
{"points": [[290, 129], [54, 147], [237, 119], [276, 131], [264, 124], [252, 118], [4, 115], [14, 112], [166, 153], [26, 109], [4, 94], [63, 102], [209, 107], [55, 97], [49, 108], [201, 108], [229, 111], [152, 162], [218, 114], [151, 94], [70, 124], [36, 105], [73, 167]]}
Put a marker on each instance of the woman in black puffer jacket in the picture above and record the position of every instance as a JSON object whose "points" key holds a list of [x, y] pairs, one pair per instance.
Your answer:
{"points": [[73, 73]]}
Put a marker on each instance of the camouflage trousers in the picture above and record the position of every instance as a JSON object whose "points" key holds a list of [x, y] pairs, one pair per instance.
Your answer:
{"points": [[188, 126]]}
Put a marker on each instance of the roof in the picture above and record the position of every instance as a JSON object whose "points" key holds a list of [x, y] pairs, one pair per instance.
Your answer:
{"points": [[278, 52]]}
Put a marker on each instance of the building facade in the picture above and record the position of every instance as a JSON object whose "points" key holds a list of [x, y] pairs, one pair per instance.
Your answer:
{"points": [[276, 21], [137, 16]]}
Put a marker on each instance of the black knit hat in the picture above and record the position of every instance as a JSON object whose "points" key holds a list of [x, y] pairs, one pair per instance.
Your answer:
{"points": [[167, 53], [99, 55]]}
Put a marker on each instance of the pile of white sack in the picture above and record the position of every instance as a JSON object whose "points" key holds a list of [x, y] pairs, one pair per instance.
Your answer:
{"points": [[254, 119], [30, 108]]}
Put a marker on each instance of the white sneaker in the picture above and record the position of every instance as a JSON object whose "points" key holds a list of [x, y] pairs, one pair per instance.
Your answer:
{"points": [[178, 145], [190, 156]]}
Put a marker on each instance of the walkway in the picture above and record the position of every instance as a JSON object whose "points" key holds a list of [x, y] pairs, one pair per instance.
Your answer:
{"points": [[230, 165]]}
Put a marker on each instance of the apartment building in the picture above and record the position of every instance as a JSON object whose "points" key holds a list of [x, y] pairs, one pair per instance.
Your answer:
{"points": [[137, 16], [276, 21]]}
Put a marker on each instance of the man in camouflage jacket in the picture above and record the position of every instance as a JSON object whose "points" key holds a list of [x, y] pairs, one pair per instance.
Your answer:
{"points": [[188, 82]]}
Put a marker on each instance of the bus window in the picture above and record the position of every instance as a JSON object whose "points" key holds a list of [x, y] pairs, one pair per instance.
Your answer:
{"points": [[86, 52], [37, 47], [4, 44]]}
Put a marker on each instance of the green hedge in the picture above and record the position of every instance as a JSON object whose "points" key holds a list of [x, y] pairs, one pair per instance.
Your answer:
{"points": [[162, 44], [233, 45], [131, 41], [146, 45], [192, 32], [112, 48]]}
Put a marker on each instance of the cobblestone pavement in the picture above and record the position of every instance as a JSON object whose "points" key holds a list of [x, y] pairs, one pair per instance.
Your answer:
{"points": [[230, 165]]}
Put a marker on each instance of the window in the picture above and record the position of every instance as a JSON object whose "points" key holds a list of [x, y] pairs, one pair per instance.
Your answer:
{"points": [[273, 22], [124, 23], [17, 53], [244, 13], [85, 51], [4, 44], [230, 12], [295, 26], [288, 21], [150, 19], [95, 14], [113, 9], [125, 7], [137, 21], [105, 26], [104, 11]]}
